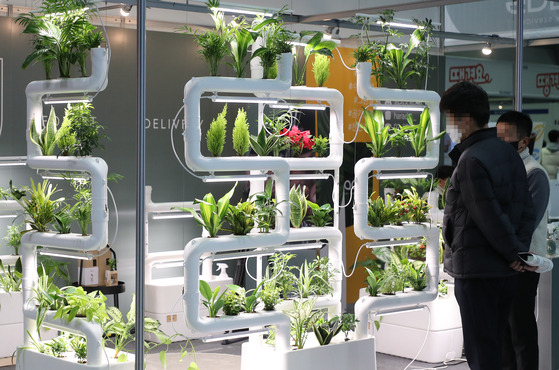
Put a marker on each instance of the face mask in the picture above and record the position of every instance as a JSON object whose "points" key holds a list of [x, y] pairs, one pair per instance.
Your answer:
{"points": [[454, 133]]}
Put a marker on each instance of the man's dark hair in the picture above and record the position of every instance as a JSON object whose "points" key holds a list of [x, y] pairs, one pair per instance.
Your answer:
{"points": [[466, 98], [522, 121], [553, 135]]}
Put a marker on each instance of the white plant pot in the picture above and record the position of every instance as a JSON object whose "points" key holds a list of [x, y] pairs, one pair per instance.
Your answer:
{"points": [[31, 359], [11, 322]]}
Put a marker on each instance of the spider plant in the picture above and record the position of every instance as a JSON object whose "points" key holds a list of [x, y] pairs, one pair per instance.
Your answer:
{"points": [[377, 131], [305, 281], [212, 214]]}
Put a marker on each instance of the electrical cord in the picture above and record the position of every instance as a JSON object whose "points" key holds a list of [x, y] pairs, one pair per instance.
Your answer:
{"points": [[348, 185], [116, 215], [175, 150], [108, 48], [354, 263], [424, 340], [342, 59]]}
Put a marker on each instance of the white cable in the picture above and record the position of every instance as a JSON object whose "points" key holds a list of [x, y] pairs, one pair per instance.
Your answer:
{"points": [[350, 188], [342, 59], [175, 150], [116, 216], [424, 340], [354, 264], [108, 48]]}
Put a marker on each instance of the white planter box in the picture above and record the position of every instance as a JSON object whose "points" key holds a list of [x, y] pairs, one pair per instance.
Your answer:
{"points": [[354, 355], [403, 334], [11, 337], [30, 359], [11, 322]]}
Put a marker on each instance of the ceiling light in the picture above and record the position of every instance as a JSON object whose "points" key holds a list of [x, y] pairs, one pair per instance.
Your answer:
{"points": [[487, 49], [125, 10]]}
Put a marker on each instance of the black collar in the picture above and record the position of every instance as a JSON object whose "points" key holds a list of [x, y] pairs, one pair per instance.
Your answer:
{"points": [[479, 135]]}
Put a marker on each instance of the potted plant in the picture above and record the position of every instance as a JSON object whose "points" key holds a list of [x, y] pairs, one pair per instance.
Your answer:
{"points": [[241, 135], [79, 346], [241, 39], [46, 137], [284, 278], [11, 278], [297, 140], [81, 211], [416, 275], [266, 208], [374, 281], [348, 321], [320, 214], [212, 214], [111, 275], [249, 301], [233, 302], [215, 137], [82, 136], [13, 237], [270, 294], [302, 318], [39, 206], [381, 213], [324, 271], [298, 205], [321, 146], [326, 330], [57, 346], [305, 280], [64, 218], [241, 217], [211, 299], [378, 132], [321, 69], [314, 46], [263, 144], [418, 133]]}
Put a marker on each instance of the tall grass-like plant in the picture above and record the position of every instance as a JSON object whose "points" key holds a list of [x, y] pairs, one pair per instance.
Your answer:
{"points": [[418, 133], [298, 205], [46, 137], [212, 214], [377, 131], [215, 137], [321, 69], [241, 135], [82, 208], [40, 207], [11, 278]]}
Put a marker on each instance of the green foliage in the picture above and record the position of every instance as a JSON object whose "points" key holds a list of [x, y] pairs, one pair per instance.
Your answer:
{"points": [[81, 210], [399, 138], [421, 64], [417, 207], [270, 294], [39, 207], [395, 275], [377, 131], [212, 300], [275, 41], [46, 137], [84, 129], [233, 302], [11, 278], [57, 346], [305, 281], [65, 140], [314, 46], [241, 39], [215, 137], [263, 144], [266, 208], [326, 330], [381, 213], [79, 345], [443, 288], [418, 133], [77, 302], [320, 214], [249, 301], [321, 69], [298, 205], [374, 281], [324, 271], [349, 322], [285, 279], [62, 33], [321, 146], [212, 214], [64, 218], [416, 275], [302, 318], [241, 217], [363, 53], [241, 135], [13, 237]]}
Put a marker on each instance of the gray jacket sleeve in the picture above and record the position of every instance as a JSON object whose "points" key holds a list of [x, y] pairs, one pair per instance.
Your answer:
{"points": [[539, 189]]}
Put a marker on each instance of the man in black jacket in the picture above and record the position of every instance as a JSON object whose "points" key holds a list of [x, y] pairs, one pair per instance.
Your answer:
{"points": [[488, 219]]}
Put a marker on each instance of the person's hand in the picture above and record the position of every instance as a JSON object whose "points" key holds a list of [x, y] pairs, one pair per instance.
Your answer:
{"points": [[517, 266]]}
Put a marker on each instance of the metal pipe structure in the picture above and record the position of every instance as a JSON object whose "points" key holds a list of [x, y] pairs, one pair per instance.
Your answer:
{"points": [[140, 183], [519, 51]]}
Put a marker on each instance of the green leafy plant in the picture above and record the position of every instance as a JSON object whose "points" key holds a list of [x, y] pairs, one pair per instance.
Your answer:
{"points": [[348, 321], [418, 133], [47, 297], [266, 208], [233, 302], [13, 237], [443, 288], [64, 218], [285, 279], [399, 138], [77, 302], [241, 217], [302, 319], [249, 301], [57, 346], [421, 64], [212, 214], [418, 208], [321, 146], [270, 293], [40, 207], [213, 43], [82, 208], [240, 41], [326, 330], [320, 214], [241, 135], [215, 137], [212, 300], [321, 69], [374, 281], [305, 280], [79, 345], [324, 271], [314, 46], [298, 205], [120, 333], [84, 130], [264, 144], [377, 131], [111, 262], [11, 278], [363, 53], [65, 140], [395, 275], [46, 137], [275, 41], [381, 213], [416, 275]]}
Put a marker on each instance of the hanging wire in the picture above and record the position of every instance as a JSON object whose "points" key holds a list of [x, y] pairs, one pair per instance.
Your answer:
{"points": [[174, 149], [342, 59], [116, 214], [108, 49], [348, 185]]}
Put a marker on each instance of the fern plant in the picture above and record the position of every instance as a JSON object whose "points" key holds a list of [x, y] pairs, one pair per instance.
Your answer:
{"points": [[377, 131], [215, 137], [46, 137], [241, 136]]}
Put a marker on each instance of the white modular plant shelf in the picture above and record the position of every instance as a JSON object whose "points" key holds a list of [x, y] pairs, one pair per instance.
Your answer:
{"points": [[32, 359], [355, 354], [11, 322]]}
